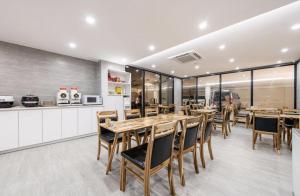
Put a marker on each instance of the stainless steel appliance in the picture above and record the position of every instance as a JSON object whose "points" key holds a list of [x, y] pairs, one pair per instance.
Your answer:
{"points": [[92, 100], [62, 97], [30, 101], [75, 96], [6, 101]]}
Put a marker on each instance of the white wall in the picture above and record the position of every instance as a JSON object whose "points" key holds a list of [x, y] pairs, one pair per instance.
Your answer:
{"points": [[177, 93], [298, 86]]}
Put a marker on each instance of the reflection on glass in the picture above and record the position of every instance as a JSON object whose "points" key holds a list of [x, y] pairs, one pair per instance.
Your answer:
{"points": [[274, 87], [152, 81], [136, 88], [208, 91], [189, 90], [166, 90], [236, 89]]}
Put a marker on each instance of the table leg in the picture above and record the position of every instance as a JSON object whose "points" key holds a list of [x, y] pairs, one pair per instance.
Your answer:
{"points": [[123, 170], [108, 168]]}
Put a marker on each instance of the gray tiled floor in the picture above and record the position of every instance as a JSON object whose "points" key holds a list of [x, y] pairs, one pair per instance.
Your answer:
{"points": [[70, 168]]}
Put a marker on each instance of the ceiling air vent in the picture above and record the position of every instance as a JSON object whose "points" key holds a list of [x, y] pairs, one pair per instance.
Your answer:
{"points": [[186, 57]]}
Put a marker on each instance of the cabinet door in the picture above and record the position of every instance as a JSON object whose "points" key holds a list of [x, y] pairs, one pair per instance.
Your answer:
{"points": [[84, 120], [30, 127], [51, 125], [94, 118], [8, 130], [69, 122]]}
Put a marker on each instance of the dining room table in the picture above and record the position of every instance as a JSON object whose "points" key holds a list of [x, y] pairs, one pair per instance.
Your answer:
{"points": [[125, 127]]}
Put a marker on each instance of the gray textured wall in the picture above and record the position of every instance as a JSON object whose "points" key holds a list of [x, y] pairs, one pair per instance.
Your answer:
{"points": [[26, 70]]}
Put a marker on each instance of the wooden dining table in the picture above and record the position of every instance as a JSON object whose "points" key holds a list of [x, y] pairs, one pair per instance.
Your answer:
{"points": [[126, 127], [204, 111]]}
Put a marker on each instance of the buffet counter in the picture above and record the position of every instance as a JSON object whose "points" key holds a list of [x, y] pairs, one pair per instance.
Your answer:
{"points": [[24, 127], [296, 161]]}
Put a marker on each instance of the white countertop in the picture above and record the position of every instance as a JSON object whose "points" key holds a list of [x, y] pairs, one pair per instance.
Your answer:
{"points": [[18, 108]]}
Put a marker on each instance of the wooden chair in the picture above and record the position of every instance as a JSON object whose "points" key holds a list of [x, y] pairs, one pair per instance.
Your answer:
{"points": [[241, 116], [185, 143], [185, 109], [148, 159], [268, 124], [197, 106], [151, 111], [223, 121], [138, 134], [205, 137], [106, 136]]}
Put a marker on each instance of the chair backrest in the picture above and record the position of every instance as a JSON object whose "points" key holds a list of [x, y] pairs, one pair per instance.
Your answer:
{"points": [[132, 114], [266, 122], [111, 114], [172, 107], [207, 127], [160, 145], [189, 136], [185, 109], [151, 111]]}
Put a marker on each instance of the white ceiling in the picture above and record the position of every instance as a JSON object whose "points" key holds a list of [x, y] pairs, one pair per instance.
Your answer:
{"points": [[125, 29]]}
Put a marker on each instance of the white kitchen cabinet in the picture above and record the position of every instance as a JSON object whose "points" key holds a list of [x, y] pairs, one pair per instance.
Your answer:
{"points": [[84, 120], [30, 127], [94, 118], [69, 122], [8, 130], [51, 125]]}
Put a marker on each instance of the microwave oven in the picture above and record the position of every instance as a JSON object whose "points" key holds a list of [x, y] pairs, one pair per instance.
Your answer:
{"points": [[92, 100]]}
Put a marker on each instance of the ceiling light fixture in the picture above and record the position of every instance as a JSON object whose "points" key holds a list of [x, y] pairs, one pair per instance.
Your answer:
{"points": [[185, 76], [151, 48], [172, 72], [231, 60], [124, 60], [197, 67], [237, 68], [284, 50], [153, 66], [90, 20], [222, 47], [295, 27], [203, 25], [72, 45], [279, 62], [207, 72]]}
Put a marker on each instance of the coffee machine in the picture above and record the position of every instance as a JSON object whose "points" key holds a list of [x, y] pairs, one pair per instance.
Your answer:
{"points": [[75, 96], [62, 97]]}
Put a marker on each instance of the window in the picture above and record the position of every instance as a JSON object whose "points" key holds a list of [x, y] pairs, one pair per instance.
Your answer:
{"points": [[274, 87], [236, 89], [167, 90], [189, 90], [152, 84], [209, 90]]}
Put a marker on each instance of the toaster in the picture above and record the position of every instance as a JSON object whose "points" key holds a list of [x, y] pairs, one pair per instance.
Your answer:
{"points": [[30, 101]]}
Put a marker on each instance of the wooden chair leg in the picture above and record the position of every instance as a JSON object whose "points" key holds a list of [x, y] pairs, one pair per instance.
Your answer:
{"points": [[181, 171], [109, 150], [118, 146], [260, 137], [123, 175], [137, 137], [99, 148], [146, 184], [254, 140], [229, 127], [195, 160], [283, 135], [170, 177], [210, 149], [278, 142], [202, 155]]}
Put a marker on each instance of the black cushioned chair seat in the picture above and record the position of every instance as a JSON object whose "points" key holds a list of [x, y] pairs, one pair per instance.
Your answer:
{"points": [[176, 142], [288, 126], [109, 137], [136, 155]]}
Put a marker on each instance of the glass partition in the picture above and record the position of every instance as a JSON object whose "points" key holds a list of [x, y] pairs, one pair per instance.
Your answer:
{"points": [[274, 87], [236, 89], [189, 90], [152, 84], [167, 90], [209, 90], [136, 87]]}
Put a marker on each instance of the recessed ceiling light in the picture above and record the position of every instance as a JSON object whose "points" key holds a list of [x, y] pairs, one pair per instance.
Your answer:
{"points": [[207, 72], [153, 66], [279, 62], [222, 47], [124, 60], [203, 25], [237, 68], [172, 72], [295, 27], [72, 45], [90, 20], [284, 50], [197, 67], [136, 70], [185, 76], [231, 60], [151, 48]]}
